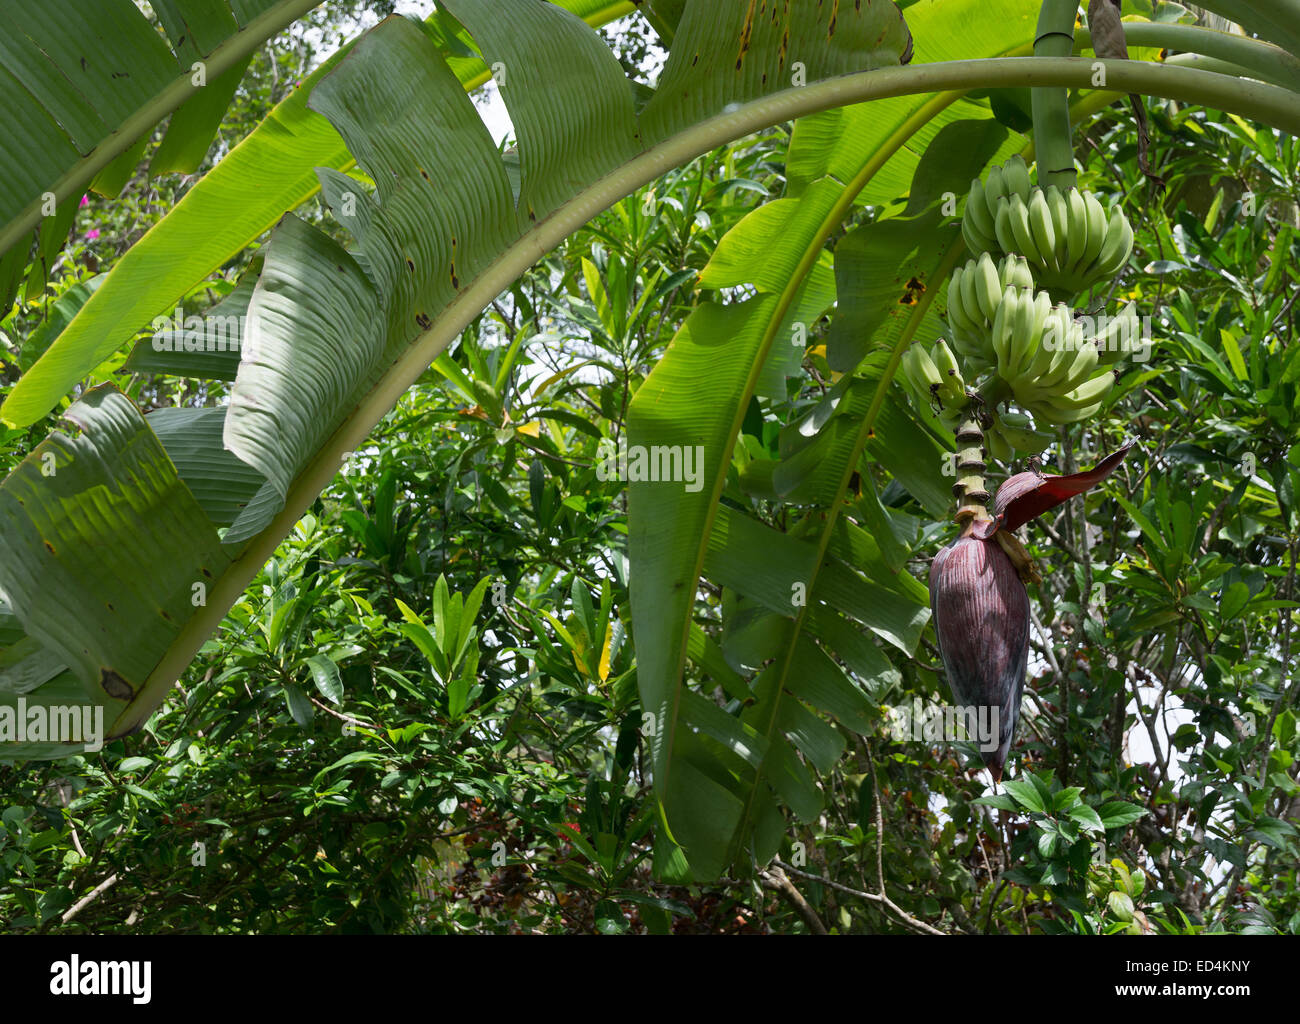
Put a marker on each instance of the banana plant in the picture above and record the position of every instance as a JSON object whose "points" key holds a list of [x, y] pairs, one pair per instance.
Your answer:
{"points": [[123, 547]]}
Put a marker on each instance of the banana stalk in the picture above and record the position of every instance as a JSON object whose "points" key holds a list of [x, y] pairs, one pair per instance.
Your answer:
{"points": [[1053, 144]]}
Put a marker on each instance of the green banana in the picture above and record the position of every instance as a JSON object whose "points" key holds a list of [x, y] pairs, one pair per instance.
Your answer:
{"points": [[1015, 172], [1024, 340], [994, 187], [929, 373], [957, 314], [988, 286], [1040, 225], [1096, 233], [1014, 271], [1076, 232], [1059, 207], [1081, 368], [1003, 334], [1002, 224], [977, 221], [1080, 404], [915, 373], [1061, 336], [970, 300], [907, 367], [1120, 335], [1051, 413], [1118, 246], [1026, 245], [1043, 355]]}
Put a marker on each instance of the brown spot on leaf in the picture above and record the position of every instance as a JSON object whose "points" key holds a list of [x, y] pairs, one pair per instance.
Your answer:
{"points": [[410, 265], [115, 686], [423, 320], [49, 547], [914, 289]]}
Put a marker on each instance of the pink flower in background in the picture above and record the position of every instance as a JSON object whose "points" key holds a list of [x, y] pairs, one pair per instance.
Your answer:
{"points": [[85, 200], [92, 234]]}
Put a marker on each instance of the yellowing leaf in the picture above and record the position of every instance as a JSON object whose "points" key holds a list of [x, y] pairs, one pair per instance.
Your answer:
{"points": [[532, 429], [604, 654]]}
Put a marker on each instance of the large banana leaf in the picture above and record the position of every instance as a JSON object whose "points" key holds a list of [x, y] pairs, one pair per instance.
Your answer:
{"points": [[674, 534]]}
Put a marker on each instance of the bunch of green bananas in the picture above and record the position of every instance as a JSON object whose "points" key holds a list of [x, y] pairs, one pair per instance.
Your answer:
{"points": [[1033, 247], [936, 375], [1065, 235], [1039, 351]]}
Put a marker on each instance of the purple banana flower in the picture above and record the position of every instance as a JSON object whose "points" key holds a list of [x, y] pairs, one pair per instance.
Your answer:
{"points": [[981, 606]]}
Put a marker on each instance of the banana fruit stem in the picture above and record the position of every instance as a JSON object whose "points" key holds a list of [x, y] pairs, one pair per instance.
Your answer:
{"points": [[972, 496], [1053, 141]]}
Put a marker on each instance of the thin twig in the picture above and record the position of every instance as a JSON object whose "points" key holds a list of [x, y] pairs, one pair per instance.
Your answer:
{"points": [[90, 897], [775, 878]]}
